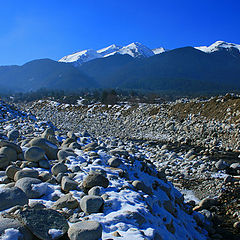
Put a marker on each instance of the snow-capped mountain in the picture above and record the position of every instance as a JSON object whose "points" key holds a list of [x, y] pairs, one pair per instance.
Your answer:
{"points": [[108, 50], [218, 45], [135, 50], [159, 50], [81, 57]]}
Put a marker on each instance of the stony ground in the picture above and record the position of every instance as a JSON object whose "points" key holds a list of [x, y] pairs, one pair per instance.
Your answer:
{"points": [[195, 143], [59, 184]]}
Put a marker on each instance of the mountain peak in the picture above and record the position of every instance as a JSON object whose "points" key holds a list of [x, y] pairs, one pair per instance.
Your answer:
{"points": [[136, 49], [217, 46], [81, 57], [108, 50]]}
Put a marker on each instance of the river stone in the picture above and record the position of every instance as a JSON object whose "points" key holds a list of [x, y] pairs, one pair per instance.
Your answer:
{"points": [[44, 164], [66, 201], [206, 203], [4, 143], [114, 162], [67, 142], [49, 148], [71, 134], [41, 221], [7, 223], [45, 176], [4, 161], [96, 191], [63, 154], [26, 173], [11, 171], [68, 184], [10, 153], [91, 204], [31, 187], [59, 168], [34, 154], [92, 146], [139, 185], [13, 135], [75, 145], [221, 165], [85, 230], [10, 197], [95, 179]]}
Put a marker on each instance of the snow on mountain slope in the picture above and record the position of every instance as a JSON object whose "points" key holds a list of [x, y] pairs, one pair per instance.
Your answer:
{"points": [[108, 50], [136, 50], [81, 57], [218, 45], [158, 50]]}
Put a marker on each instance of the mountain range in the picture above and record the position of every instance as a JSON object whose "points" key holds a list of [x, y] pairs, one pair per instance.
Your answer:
{"points": [[135, 66]]}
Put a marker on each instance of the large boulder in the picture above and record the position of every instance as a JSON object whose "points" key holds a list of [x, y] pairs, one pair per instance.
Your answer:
{"points": [[11, 171], [114, 162], [4, 143], [10, 197], [9, 223], [34, 154], [10, 153], [139, 185], [68, 184], [13, 135], [66, 201], [49, 134], [91, 204], [59, 168], [89, 230], [26, 173], [95, 179], [34, 188], [44, 223], [4, 161], [49, 148], [63, 154]]}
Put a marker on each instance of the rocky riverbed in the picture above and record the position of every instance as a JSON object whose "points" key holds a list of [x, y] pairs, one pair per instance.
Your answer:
{"points": [[110, 170]]}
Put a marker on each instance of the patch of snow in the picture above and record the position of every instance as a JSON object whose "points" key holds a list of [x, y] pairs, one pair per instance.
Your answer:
{"points": [[158, 50], [11, 234], [55, 233]]}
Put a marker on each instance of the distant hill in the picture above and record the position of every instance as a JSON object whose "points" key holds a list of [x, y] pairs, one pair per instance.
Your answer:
{"points": [[43, 73]]}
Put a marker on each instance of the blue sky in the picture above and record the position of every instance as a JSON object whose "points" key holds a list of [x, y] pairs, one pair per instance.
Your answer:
{"points": [[33, 29]]}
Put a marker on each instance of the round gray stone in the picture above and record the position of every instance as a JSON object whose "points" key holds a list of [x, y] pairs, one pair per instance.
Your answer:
{"points": [[34, 154], [85, 230], [10, 197], [28, 185], [91, 204], [59, 168]]}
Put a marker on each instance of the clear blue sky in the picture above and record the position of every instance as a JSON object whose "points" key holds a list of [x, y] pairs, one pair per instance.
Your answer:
{"points": [[33, 29]]}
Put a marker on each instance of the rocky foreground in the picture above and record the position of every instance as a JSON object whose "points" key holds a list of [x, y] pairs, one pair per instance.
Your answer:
{"points": [[106, 172]]}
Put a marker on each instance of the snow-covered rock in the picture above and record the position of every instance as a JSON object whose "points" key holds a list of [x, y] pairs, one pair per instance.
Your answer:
{"points": [[217, 46]]}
